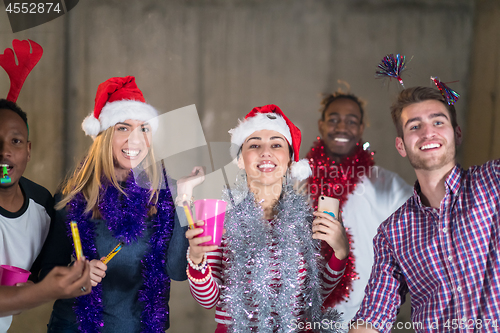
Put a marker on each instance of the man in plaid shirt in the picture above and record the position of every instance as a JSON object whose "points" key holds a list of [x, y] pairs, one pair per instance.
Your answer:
{"points": [[441, 246]]}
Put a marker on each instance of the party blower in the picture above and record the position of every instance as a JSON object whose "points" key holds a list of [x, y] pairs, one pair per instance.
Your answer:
{"points": [[113, 253], [5, 174]]}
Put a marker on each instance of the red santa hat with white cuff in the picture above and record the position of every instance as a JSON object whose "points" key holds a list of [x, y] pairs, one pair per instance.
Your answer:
{"points": [[270, 117], [117, 100]]}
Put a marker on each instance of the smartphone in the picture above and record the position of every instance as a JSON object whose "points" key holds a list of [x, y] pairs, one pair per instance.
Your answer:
{"points": [[327, 204]]}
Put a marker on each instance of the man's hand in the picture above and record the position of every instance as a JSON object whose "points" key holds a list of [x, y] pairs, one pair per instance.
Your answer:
{"points": [[61, 282], [67, 282]]}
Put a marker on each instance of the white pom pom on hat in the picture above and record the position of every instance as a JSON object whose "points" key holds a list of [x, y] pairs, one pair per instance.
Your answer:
{"points": [[271, 117], [91, 126], [117, 100], [301, 169]]}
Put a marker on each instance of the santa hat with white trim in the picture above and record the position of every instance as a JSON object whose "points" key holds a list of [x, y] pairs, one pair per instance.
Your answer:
{"points": [[270, 117], [117, 100]]}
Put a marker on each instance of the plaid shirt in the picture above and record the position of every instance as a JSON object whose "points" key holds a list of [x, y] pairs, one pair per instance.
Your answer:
{"points": [[446, 258]]}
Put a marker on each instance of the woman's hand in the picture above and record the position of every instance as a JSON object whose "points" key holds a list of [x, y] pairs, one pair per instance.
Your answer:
{"points": [[196, 251], [185, 185], [331, 230], [97, 271]]}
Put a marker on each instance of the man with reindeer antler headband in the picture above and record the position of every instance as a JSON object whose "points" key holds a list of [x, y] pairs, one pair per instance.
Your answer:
{"points": [[26, 208]]}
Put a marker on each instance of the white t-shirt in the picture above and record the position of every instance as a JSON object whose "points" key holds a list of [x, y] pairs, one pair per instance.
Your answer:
{"points": [[23, 233], [379, 194]]}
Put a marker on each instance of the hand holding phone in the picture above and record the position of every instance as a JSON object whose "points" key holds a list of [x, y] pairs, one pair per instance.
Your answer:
{"points": [[332, 232], [328, 205]]}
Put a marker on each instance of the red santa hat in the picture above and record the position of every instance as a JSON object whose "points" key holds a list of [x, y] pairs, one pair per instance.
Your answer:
{"points": [[117, 100], [270, 117]]}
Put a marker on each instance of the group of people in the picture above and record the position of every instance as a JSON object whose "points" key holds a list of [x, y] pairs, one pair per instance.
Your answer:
{"points": [[283, 266]]}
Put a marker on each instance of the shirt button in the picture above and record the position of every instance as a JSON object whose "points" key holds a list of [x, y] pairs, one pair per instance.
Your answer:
{"points": [[445, 230], [459, 289], [450, 258]]}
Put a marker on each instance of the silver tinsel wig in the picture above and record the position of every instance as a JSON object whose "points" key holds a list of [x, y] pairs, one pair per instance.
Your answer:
{"points": [[263, 289]]}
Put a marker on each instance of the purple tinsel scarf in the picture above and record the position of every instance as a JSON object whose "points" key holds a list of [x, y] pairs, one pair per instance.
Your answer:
{"points": [[125, 217]]}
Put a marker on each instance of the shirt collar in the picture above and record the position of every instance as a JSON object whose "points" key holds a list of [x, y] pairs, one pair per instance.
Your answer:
{"points": [[454, 179], [416, 194], [452, 184]]}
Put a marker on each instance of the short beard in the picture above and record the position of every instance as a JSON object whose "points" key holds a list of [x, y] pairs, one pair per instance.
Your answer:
{"points": [[430, 165]]}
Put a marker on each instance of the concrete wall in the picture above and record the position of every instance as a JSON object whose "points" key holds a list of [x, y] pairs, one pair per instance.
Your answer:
{"points": [[227, 57], [483, 135]]}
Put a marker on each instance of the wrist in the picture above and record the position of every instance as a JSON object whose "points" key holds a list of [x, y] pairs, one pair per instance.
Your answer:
{"points": [[179, 200], [45, 290], [199, 264], [197, 260], [341, 254]]}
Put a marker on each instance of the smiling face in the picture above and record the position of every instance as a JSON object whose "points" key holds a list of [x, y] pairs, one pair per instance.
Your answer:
{"points": [[15, 149], [265, 156], [131, 141], [341, 128], [429, 139]]}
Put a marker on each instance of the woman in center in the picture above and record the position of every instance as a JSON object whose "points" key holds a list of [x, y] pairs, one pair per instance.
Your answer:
{"points": [[267, 275]]}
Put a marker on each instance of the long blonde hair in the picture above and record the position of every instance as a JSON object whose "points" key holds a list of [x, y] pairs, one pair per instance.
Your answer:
{"points": [[99, 162]]}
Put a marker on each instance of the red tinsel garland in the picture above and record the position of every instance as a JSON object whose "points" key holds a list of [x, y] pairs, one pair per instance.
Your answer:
{"points": [[337, 180]]}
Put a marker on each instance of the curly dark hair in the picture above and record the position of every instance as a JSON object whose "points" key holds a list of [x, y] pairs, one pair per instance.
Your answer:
{"points": [[330, 98], [8, 105]]}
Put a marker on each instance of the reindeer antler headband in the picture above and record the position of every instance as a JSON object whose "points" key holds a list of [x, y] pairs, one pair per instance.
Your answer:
{"points": [[27, 58]]}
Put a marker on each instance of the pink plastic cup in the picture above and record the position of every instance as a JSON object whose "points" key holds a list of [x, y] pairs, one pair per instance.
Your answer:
{"points": [[212, 212], [11, 275]]}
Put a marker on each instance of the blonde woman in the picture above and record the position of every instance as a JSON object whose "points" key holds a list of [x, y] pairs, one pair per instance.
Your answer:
{"points": [[266, 276], [118, 195]]}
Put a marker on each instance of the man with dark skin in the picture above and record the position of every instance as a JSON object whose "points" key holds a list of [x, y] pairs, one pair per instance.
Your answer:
{"points": [[16, 152], [368, 194], [341, 128], [25, 215]]}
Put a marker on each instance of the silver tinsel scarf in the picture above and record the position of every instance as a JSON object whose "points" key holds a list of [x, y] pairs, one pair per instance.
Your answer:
{"points": [[262, 289]]}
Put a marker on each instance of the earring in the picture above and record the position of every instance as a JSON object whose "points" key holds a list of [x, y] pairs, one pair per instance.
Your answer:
{"points": [[286, 178]]}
